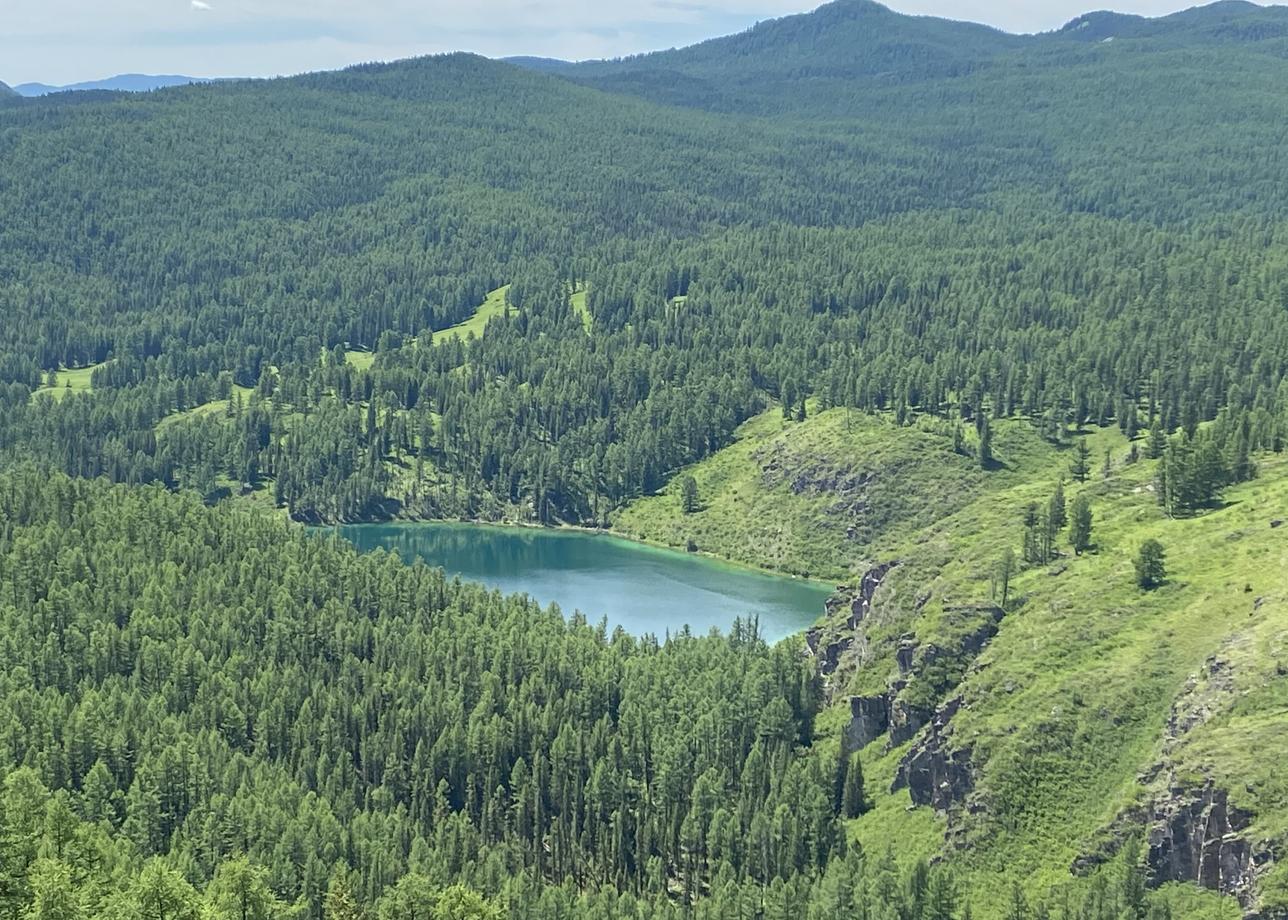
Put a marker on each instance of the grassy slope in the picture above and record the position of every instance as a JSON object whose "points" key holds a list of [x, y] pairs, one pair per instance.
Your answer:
{"points": [[215, 405], [1069, 704], [813, 498], [493, 306], [71, 380], [578, 301], [360, 360], [1072, 698]]}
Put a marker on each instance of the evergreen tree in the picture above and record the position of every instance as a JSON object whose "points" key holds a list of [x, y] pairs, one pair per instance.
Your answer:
{"points": [[853, 800], [1157, 442], [1080, 524], [1080, 467], [1151, 569], [689, 500], [1003, 574]]}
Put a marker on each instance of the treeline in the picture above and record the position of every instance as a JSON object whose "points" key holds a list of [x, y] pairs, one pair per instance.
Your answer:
{"points": [[207, 713], [1094, 324]]}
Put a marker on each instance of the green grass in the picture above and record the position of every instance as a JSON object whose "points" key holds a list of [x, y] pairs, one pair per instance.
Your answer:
{"points": [[70, 380], [360, 360], [1069, 703], [209, 408], [1067, 708], [819, 497], [492, 306], [578, 302]]}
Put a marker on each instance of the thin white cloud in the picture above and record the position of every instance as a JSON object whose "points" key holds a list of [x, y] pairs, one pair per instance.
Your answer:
{"points": [[201, 5]]}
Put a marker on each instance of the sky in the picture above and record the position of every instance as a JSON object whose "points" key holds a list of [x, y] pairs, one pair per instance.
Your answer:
{"points": [[65, 41]]}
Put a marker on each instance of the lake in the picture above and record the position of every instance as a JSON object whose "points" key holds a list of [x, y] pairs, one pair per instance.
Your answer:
{"points": [[641, 588]]}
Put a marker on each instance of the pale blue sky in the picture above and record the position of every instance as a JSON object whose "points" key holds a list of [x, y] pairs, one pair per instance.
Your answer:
{"points": [[62, 41]]}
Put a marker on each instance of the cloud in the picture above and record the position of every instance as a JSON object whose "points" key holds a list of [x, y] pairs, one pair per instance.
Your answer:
{"points": [[65, 41]]}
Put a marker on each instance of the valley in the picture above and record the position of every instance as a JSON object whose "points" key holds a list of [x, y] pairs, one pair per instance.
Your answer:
{"points": [[833, 470]]}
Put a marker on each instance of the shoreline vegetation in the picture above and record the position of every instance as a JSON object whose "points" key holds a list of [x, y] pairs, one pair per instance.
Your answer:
{"points": [[605, 532]]}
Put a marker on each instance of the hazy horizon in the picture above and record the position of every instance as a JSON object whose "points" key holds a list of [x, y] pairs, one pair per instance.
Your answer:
{"points": [[60, 42]]}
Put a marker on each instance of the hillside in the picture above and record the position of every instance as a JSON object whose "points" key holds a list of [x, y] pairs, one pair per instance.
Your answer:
{"points": [[816, 498], [1033, 740], [1085, 713], [843, 43], [857, 58], [959, 320]]}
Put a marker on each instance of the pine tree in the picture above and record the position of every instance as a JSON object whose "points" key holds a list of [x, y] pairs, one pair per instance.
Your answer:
{"points": [[1019, 906], [340, 901], [1004, 573], [1033, 535], [1056, 508], [985, 441], [1080, 524], [689, 501], [1157, 442], [1080, 468], [1151, 568], [853, 801]]}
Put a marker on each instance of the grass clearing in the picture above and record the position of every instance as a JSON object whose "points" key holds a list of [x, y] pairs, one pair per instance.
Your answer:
{"points": [[70, 380], [817, 497], [360, 360], [578, 303], [209, 408], [493, 306]]}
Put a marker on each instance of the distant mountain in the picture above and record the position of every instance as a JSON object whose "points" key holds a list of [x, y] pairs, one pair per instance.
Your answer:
{"points": [[836, 59], [845, 40], [124, 83], [1228, 21]]}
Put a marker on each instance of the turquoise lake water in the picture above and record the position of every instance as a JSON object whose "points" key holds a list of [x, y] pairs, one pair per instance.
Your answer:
{"points": [[640, 588]]}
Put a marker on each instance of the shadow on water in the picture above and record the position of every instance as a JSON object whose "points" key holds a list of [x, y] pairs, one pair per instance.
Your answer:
{"points": [[640, 588]]}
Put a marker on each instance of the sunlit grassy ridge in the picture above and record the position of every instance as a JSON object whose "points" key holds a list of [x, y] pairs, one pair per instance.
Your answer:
{"points": [[1066, 710], [819, 497]]}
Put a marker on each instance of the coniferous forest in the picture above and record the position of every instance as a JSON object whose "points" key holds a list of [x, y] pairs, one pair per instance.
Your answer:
{"points": [[537, 292]]}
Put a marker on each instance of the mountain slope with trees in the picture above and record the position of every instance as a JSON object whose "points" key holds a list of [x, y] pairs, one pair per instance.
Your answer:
{"points": [[992, 328]]}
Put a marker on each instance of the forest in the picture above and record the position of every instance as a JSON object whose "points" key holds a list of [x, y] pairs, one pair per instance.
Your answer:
{"points": [[208, 712], [232, 308]]}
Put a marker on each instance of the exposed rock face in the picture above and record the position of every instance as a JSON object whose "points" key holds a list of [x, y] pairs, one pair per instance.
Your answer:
{"points": [[861, 605], [934, 773], [1196, 837], [1194, 833], [906, 720], [831, 646], [869, 719], [903, 657], [827, 654]]}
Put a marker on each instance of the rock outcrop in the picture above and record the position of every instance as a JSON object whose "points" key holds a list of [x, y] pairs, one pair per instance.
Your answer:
{"points": [[1197, 836], [933, 772], [869, 719], [1193, 832], [833, 644]]}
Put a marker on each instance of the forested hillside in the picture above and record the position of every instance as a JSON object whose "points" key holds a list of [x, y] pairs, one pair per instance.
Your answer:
{"points": [[993, 329]]}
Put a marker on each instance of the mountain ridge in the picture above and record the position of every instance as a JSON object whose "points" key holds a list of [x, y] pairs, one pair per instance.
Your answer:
{"points": [[830, 61], [125, 83]]}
